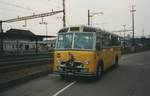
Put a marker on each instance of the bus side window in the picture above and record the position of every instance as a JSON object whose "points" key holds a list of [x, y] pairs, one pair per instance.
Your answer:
{"points": [[105, 40], [115, 41], [98, 46], [98, 42]]}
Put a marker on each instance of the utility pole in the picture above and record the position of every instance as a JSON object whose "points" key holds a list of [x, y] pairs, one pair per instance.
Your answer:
{"points": [[90, 15], [1, 38], [124, 30], [64, 14], [143, 33], [46, 29], [133, 11]]}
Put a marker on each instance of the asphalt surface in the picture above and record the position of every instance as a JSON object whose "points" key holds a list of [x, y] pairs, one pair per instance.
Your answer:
{"points": [[131, 78]]}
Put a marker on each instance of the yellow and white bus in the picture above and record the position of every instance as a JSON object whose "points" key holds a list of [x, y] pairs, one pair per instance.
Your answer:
{"points": [[85, 51]]}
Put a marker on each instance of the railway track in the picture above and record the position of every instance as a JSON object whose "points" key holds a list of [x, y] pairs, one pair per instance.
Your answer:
{"points": [[12, 63]]}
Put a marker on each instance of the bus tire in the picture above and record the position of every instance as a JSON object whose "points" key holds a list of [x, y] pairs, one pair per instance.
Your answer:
{"points": [[116, 61], [99, 71], [62, 76]]}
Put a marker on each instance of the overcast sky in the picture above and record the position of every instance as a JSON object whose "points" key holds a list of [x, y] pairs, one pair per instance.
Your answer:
{"points": [[116, 14]]}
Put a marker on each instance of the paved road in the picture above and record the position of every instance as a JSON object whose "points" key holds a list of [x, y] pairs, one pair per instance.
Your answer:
{"points": [[131, 78]]}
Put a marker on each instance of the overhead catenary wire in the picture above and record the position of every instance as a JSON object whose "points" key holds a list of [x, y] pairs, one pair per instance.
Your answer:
{"points": [[56, 5], [33, 16], [17, 6]]}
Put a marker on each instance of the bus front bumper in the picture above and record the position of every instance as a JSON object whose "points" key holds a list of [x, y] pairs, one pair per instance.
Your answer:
{"points": [[80, 74]]}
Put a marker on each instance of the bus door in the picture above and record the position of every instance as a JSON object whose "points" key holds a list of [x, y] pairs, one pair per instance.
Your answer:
{"points": [[111, 50], [107, 57]]}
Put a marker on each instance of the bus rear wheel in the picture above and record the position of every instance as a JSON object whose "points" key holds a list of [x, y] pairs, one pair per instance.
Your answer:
{"points": [[116, 62], [62, 76]]}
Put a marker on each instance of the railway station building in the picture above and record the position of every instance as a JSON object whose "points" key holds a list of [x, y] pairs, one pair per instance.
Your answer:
{"points": [[17, 41]]}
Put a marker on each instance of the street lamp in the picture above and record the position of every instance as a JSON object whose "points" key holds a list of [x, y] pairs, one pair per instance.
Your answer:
{"points": [[90, 15], [45, 23]]}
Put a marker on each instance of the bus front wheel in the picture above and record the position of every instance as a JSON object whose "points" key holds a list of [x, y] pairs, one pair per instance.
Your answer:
{"points": [[99, 72]]}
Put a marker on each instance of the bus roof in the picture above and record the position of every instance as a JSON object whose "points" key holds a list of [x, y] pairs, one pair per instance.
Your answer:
{"points": [[83, 28]]}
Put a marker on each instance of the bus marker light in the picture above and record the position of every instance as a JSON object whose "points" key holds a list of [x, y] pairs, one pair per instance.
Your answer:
{"points": [[58, 55]]}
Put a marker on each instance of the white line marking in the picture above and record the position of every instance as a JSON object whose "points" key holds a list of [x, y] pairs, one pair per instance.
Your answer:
{"points": [[60, 91]]}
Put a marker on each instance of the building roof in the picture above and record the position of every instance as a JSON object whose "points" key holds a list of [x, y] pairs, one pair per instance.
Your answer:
{"points": [[19, 32], [23, 35]]}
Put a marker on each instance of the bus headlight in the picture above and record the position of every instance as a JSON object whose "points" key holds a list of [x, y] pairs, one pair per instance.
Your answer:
{"points": [[62, 65], [86, 62], [59, 61]]}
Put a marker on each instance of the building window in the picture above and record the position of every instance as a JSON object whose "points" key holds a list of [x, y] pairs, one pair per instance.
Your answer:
{"points": [[5, 46], [17, 46], [26, 47], [13, 46]]}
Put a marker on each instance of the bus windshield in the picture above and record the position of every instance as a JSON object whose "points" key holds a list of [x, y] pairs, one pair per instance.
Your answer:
{"points": [[81, 41], [65, 41]]}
